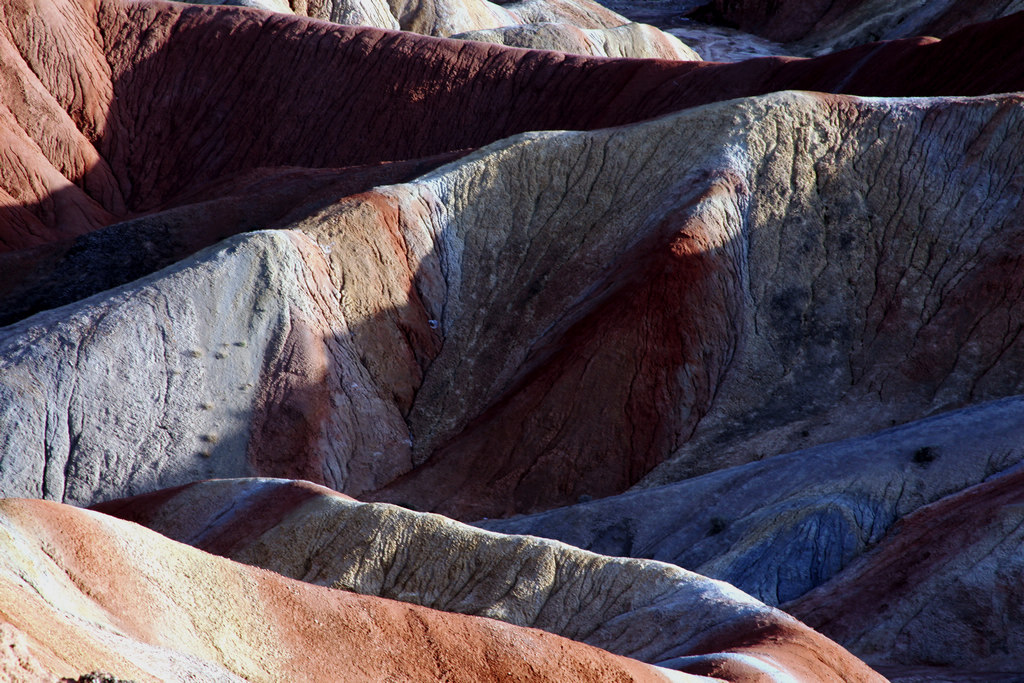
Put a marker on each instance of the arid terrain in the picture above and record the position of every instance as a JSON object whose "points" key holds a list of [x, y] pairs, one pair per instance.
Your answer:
{"points": [[452, 340]]}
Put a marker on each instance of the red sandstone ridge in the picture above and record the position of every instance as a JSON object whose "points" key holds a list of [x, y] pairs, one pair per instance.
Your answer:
{"points": [[80, 592], [126, 109], [641, 609]]}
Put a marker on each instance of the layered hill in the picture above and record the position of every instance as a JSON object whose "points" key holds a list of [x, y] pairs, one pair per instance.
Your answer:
{"points": [[100, 91], [810, 26], [913, 531], [715, 275], [82, 592], [645, 610], [574, 26], [778, 299]]}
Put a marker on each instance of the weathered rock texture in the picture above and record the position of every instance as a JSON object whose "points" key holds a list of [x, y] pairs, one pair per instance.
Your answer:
{"points": [[738, 290], [573, 26], [80, 592], [942, 587], [814, 25], [101, 92], [238, 360], [664, 285], [741, 233], [641, 609], [780, 527], [628, 40], [65, 271], [440, 271], [756, 216]]}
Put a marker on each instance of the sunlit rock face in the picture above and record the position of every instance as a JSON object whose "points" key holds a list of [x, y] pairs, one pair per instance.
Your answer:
{"points": [[650, 611], [81, 592], [758, 320]]}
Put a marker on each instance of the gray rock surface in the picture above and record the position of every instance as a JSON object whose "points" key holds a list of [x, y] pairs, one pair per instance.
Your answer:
{"points": [[831, 304], [806, 302], [780, 527], [162, 381], [941, 587], [628, 40]]}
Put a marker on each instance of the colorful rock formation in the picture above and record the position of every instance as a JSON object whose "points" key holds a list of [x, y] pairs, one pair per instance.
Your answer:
{"points": [[649, 611], [779, 299], [81, 592], [815, 25]]}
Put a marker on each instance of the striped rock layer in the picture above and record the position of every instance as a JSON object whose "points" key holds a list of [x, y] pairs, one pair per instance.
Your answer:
{"points": [[82, 592], [646, 610]]}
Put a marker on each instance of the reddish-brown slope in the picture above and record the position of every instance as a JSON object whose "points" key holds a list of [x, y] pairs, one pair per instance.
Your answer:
{"points": [[136, 104], [82, 591], [942, 588], [583, 398]]}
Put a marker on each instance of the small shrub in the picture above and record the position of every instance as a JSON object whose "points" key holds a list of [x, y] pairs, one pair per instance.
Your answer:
{"points": [[717, 526], [925, 455]]}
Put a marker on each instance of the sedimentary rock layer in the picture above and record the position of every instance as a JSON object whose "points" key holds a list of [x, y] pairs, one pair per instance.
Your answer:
{"points": [[941, 587], [480, 299], [103, 93], [782, 526], [80, 592], [574, 26], [238, 360], [647, 610], [628, 40], [738, 289]]}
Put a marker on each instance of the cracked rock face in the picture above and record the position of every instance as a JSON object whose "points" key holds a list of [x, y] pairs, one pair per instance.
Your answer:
{"points": [[762, 292], [965, 548], [857, 538], [760, 320]]}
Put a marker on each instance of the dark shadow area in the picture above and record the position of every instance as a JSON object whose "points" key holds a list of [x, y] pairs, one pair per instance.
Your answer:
{"points": [[59, 273]]}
